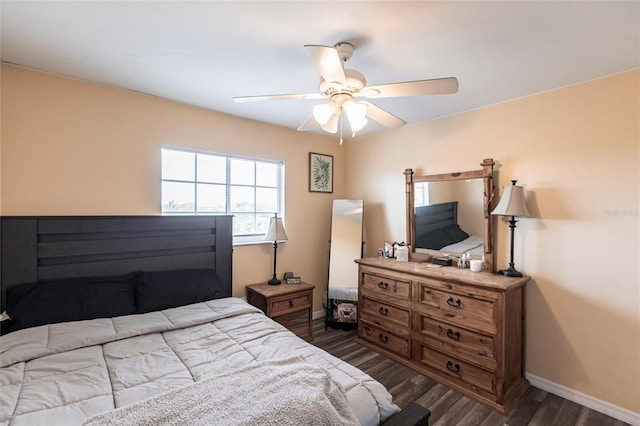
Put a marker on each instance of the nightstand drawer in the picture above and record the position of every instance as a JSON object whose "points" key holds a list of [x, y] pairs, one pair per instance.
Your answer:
{"points": [[291, 303]]}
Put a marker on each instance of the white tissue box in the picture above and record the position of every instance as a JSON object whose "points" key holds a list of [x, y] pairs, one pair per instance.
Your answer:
{"points": [[402, 254]]}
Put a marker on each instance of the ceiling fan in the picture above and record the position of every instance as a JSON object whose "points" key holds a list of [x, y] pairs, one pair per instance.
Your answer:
{"points": [[343, 87]]}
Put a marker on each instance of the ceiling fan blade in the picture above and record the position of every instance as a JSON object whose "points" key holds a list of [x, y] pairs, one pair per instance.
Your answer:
{"points": [[328, 62], [436, 86], [310, 125], [240, 99], [383, 117]]}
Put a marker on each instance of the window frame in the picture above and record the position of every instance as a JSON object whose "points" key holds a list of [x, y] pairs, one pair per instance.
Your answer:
{"points": [[238, 239]]}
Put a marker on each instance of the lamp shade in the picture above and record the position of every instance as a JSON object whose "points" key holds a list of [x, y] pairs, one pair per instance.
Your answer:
{"points": [[331, 125], [276, 230], [322, 113], [356, 114], [512, 202]]}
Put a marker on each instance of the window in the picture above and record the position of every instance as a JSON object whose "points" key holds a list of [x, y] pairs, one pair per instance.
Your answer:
{"points": [[421, 192], [197, 183]]}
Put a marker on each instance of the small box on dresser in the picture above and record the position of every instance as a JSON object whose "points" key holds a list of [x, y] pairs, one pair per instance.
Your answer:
{"points": [[464, 329]]}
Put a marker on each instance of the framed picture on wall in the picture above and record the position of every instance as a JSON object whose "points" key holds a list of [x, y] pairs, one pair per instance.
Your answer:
{"points": [[320, 172]]}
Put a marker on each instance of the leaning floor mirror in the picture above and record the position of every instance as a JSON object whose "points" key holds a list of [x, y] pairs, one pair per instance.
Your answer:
{"points": [[346, 246]]}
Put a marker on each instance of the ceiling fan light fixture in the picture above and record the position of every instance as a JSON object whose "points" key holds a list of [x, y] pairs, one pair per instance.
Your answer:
{"points": [[357, 125], [323, 113], [356, 114], [331, 125]]}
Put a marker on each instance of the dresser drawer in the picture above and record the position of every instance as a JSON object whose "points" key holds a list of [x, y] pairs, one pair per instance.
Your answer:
{"points": [[472, 312], [471, 346], [461, 372], [387, 286], [290, 303], [384, 339], [389, 316]]}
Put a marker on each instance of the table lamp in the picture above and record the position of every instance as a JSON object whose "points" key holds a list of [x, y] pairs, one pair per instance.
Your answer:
{"points": [[512, 204], [275, 233]]}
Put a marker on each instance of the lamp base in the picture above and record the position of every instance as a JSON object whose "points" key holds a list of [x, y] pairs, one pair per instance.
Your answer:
{"points": [[511, 272], [274, 281]]}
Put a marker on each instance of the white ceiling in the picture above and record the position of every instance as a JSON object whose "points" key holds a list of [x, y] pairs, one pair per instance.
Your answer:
{"points": [[205, 53]]}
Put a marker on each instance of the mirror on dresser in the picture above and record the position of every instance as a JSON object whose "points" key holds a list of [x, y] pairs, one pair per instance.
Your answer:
{"points": [[449, 214]]}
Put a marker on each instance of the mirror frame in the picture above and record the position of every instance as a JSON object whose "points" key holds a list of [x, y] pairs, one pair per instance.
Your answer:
{"points": [[486, 174]]}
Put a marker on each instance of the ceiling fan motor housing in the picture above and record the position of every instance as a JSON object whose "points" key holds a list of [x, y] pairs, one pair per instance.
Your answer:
{"points": [[354, 82], [345, 50]]}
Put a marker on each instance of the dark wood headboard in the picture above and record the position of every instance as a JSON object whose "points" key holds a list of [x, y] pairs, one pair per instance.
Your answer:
{"points": [[45, 248], [435, 216]]}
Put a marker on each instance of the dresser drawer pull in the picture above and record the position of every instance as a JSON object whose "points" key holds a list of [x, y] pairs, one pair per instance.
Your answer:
{"points": [[383, 338], [383, 285], [453, 367], [455, 303], [455, 335], [291, 303], [383, 311]]}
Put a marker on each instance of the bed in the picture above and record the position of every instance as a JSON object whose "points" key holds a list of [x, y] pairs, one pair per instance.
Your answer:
{"points": [[437, 228], [180, 349]]}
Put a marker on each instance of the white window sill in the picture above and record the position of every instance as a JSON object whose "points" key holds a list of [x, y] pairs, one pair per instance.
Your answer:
{"points": [[246, 241]]}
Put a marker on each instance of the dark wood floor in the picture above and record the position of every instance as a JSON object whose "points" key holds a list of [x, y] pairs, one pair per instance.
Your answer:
{"points": [[448, 407]]}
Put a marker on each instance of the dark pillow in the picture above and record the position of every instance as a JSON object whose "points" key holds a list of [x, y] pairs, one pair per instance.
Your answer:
{"points": [[168, 289], [455, 234], [73, 299], [6, 326], [441, 237]]}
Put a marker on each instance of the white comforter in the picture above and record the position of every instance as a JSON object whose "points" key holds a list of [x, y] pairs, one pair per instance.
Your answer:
{"points": [[473, 245], [65, 373]]}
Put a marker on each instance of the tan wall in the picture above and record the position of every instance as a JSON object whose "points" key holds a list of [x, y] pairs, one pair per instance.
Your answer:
{"points": [[73, 148], [576, 151]]}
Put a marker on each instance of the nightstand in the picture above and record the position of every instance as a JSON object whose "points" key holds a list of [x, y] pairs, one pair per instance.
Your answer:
{"points": [[288, 304]]}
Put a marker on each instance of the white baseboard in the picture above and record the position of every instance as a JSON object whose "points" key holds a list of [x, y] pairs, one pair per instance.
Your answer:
{"points": [[318, 314], [603, 407]]}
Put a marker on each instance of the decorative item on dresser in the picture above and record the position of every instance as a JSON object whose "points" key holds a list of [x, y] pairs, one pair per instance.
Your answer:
{"points": [[464, 329], [289, 305]]}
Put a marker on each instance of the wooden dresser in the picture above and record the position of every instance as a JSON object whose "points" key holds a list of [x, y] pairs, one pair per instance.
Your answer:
{"points": [[464, 329], [289, 304]]}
